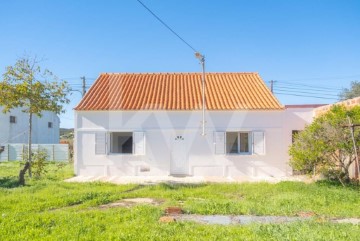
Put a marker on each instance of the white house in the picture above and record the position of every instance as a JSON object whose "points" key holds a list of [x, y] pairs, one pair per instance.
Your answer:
{"points": [[14, 127], [151, 124]]}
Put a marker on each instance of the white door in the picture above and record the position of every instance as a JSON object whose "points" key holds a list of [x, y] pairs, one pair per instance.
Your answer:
{"points": [[178, 165]]}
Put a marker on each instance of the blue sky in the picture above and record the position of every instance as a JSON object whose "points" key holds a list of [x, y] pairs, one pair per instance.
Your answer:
{"points": [[310, 47]]}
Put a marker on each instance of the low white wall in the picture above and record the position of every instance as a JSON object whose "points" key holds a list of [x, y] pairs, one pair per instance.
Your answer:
{"points": [[161, 127], [16, 152]]}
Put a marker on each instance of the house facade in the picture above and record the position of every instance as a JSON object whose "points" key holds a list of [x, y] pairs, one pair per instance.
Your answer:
{"points": [[151, 125], [14, 127]]}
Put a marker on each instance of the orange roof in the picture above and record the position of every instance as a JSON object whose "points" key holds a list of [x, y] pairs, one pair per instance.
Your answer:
{"points": [[179, 91]]}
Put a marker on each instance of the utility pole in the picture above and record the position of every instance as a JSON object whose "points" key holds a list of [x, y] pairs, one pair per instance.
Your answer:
{"points": [[272, 82], [83, 86]]}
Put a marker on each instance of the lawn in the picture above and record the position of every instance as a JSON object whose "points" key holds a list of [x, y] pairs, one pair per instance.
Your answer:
{"points": [[50, 209]]}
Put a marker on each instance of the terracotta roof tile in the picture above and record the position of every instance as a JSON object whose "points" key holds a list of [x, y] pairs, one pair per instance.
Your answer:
{"points": [[179, 91]]}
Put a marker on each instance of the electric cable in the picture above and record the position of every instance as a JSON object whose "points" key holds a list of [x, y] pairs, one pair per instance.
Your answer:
{"points": [[167, 26]]}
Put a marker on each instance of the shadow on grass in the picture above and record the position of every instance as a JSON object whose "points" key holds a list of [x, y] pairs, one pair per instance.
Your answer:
{"points": [[9, 182], [175, 185], [335, 183], [134, 188]]}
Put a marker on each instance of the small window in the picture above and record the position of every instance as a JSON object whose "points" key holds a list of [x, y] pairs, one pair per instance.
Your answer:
{"points": [[12, 119], [121, 142], [50, 125], [237, 142]]}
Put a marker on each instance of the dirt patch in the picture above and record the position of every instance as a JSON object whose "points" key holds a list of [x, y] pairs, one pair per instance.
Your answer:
{"points": [[173, 210], [240, 219], [354, 221], [248, 219], [167, 219], [130, 202], [305, 214]]}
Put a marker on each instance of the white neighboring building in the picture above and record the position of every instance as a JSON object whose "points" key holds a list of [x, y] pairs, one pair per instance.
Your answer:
{"points": [[14, 127], [150, 125]]}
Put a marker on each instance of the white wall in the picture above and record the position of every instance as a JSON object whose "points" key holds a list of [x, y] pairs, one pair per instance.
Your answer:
{"points": [[18, 132], [161, 127], [295, 119]]}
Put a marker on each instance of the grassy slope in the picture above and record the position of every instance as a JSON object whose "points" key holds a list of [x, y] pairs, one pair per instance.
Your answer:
{"points": [[49, 209]]}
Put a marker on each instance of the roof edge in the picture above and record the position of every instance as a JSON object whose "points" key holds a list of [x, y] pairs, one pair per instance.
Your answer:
{"points": [[304, 106], [170, 73]]}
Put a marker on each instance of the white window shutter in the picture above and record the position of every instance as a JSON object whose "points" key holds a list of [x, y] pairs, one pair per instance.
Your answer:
{"points": [[219, 138], [100, 143], [139, 143], [259, 143]]}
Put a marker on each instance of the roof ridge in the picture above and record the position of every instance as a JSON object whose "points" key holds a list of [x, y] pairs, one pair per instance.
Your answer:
{"points": [[179, 73]]}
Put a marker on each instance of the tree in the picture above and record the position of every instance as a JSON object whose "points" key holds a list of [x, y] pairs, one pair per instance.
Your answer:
{"points": [[27, 86], [353, 92], [326, 144]]}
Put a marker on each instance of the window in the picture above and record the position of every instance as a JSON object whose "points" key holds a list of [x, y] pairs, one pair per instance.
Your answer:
{"points": [[121, 142], [12, 119], [50, 125], [237, 142], [244, 142]]}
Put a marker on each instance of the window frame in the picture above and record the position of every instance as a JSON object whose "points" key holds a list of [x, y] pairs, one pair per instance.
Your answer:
{"points": [[250, 144], [110, 147]]}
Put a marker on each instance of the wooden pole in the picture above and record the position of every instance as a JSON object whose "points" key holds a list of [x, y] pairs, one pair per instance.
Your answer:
{"points": [[351, 126]]}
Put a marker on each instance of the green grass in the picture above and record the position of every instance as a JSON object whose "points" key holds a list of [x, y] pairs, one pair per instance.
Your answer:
{"points": [[50, 209]]}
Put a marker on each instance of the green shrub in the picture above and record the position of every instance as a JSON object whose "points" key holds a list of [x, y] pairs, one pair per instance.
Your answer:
{"points": [[39, 163], [326, 145]]}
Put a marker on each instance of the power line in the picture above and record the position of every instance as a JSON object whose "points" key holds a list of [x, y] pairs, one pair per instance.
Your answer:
{"points": [[325, 78], [310, 86], [311, 96], [310, 93], [73, 80], [306, 88], [167, 26], [306, 92], [77, 78]]}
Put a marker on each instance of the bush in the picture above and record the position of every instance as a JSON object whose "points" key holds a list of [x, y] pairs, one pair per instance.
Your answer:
{"points": [[326, 144], [39, 163]]}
